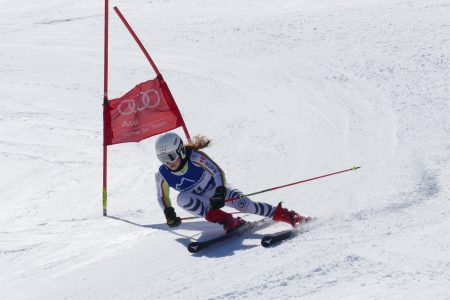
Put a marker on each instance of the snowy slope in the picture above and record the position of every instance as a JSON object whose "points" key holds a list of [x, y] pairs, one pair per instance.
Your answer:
{"points": [[287, 90]]}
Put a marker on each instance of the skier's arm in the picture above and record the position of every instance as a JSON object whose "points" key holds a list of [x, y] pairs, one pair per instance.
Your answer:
{"points": [[162, 191], [164, 201], [201, 159]]}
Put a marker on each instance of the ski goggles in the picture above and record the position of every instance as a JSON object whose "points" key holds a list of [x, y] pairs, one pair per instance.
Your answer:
{"points": [[170, 157]]}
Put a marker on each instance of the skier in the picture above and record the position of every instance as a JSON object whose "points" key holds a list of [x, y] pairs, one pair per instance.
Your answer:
{"points": [[202, 186]]}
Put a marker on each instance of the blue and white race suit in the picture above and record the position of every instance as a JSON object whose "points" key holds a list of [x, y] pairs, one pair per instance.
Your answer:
{"points": [[196, 182]]}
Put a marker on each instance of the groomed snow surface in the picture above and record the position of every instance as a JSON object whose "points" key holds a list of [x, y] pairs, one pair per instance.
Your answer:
{"points": [[287, 89]]}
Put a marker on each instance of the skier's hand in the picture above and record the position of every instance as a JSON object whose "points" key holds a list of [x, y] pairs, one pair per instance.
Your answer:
{"points": [[171, 217], [218, 200]]}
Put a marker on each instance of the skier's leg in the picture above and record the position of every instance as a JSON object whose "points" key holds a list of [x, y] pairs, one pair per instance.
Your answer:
{"points": [[193, 204], [246, 205], [198, 206], [289, 216], [277, 213]]}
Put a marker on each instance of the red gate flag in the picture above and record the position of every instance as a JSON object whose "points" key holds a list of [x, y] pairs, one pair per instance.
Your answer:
{"points": [[147, 110]]}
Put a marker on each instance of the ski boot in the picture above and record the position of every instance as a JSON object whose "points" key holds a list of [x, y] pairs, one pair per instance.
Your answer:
{"points": [[229, 223], [289, 216]]}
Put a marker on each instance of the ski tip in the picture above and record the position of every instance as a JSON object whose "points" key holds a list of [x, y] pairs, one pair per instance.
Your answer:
{"points": [[266, 241], [276, 238], [194, 247], [356, 168]]}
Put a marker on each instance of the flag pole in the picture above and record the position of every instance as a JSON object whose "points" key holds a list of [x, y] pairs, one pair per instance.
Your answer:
{"points": [[105, 104], [150, 60]]}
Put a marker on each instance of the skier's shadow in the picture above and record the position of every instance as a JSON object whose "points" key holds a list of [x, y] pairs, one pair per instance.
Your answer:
{"points": [[207, 231]]}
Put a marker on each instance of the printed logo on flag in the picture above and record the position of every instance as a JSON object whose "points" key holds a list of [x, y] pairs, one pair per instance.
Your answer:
{"points": [[146, 100]]}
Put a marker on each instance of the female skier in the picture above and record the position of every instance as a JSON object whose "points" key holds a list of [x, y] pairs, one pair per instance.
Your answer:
{"points": [[202, 186]]}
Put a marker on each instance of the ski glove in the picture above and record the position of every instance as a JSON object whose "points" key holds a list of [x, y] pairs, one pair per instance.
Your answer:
{"points": [[218, 200], [171, 217]]}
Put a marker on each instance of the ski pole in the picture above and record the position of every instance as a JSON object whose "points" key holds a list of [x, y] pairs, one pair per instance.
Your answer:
{"points": [[286, 185]]}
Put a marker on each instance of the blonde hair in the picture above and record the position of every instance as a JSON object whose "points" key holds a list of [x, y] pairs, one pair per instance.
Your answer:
{"points": [[198, 142]]}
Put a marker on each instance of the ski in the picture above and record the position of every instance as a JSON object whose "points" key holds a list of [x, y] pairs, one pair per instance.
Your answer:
{"points": [[274, 238], [277, 237], [195, 247]]}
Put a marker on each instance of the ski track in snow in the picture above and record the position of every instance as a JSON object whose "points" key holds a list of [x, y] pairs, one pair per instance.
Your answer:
{"points": [[287, 90]]}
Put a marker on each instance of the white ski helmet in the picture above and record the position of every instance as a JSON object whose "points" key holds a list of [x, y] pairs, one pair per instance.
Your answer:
{"points": [[169, 147]]}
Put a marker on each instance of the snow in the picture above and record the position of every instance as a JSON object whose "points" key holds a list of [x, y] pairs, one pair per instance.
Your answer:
{"points": [[287, 90]]}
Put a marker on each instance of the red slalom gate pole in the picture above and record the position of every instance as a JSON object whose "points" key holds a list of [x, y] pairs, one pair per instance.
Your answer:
{"points": [[105, 103], [286, 185]]}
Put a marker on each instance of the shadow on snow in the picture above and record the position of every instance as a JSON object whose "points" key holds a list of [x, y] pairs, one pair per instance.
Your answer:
{"points": [[207, 231]]}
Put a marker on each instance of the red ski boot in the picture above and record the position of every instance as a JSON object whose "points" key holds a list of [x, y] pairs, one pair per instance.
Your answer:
{"points": [[229, 223], [289, 216]]}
